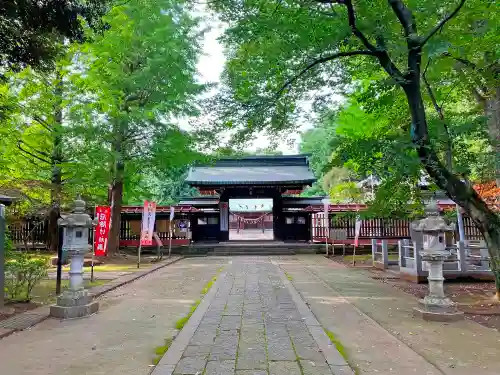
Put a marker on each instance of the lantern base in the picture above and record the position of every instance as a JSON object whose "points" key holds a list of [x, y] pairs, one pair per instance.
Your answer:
{"points": [[74, 304], [438, 316], [438, 309]]}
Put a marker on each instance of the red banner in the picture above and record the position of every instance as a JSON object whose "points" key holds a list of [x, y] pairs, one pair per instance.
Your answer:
{"points": [[148, 223], [103, 214]]}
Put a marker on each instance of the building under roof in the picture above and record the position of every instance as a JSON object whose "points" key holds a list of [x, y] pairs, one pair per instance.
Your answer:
{"points": [[6, 200]]}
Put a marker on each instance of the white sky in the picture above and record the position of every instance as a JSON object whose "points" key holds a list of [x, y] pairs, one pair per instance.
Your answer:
{"points": [[210, 67], [262, 204]]}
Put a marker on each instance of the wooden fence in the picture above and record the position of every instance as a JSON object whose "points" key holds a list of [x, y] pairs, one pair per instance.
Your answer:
{"points": [[344, 228], [34, 231]]}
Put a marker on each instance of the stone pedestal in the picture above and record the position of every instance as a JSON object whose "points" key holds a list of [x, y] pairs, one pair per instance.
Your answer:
{"points": [[75, 302], [436, 306]]}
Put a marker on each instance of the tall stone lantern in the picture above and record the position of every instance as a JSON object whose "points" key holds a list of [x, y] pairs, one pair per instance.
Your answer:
{"points": [[75, 302], [435, 305]]}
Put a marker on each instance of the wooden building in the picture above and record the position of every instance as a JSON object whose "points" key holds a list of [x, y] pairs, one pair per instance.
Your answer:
{"points": [[279, 178]]}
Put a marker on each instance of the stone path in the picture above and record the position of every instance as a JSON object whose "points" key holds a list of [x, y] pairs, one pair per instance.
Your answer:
{"points": [[254, 321], [374, 322], [254, 325], [251, 235], [30, 318], [121, 339]]}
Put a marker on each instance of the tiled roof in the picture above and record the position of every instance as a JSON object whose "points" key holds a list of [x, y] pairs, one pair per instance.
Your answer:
{"points": [[253, 170]]}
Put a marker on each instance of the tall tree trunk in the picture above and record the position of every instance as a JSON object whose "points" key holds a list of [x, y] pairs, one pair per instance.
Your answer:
{"points": [[116, 209], [492, 113], [56, 173], [463, 194], [116, 190]]}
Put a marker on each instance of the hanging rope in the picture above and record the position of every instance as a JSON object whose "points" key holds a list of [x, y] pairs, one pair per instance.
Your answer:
{"points": [[249, 221]]}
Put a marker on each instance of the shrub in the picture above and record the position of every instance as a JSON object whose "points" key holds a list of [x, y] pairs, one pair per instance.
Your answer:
{"points": [[22, 273]]}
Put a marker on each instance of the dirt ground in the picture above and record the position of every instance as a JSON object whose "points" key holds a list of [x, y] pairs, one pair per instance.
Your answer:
{"points": [[474, 298]]}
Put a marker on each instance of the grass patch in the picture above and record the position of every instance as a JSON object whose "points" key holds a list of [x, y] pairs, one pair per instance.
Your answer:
{"points": [[341, 348], [161, 350], [393, 257], [179, 324], [182, 321], [358, 258], [45, 291], [208, 286]]}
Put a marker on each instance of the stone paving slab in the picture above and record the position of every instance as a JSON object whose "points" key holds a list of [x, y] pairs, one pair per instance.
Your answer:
{"points": [[30, 318], [25, 320], [121, 338], [253, 322], [374, 322]]}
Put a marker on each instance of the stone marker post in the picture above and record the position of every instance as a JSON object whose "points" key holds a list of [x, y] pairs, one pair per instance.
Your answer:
{"points": [[435, 306], [75, 302]]}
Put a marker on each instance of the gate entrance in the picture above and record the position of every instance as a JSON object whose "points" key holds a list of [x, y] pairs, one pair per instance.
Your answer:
{"points": [[277, 179], [251, 220]]}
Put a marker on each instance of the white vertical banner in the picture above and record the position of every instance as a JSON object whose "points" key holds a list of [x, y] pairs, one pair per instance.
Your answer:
{"points": [[172, 213], [224, 216], [148, 223], [357, 230], [326, 221]]}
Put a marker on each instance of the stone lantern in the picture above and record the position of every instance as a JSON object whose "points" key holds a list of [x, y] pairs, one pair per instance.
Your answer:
{"points": [[435, 306], [75, 302]]}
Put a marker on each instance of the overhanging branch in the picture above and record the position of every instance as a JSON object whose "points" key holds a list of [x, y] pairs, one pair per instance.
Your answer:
{"points": [[351, 16], [319, 61], [19, 146], [404, 16], [440, 25]]}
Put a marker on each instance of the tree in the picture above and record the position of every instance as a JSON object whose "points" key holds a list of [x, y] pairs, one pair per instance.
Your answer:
{"points": [[140, 73], [44, 159], [31, 31], [276, 45]]}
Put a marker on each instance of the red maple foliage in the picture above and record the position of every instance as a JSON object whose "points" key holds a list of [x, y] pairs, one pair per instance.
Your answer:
{"points": [[490, 193]]}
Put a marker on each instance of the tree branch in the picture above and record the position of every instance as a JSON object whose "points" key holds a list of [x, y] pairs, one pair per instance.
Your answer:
{"points": [[405, 17], [44, 123], [31, 154], [319, 61], [439, 110], [441, 24], [466, 62], [351, 16]]}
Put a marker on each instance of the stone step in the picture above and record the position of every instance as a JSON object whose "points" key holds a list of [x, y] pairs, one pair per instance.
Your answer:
{"points": [[235, 253], [252, 250]]}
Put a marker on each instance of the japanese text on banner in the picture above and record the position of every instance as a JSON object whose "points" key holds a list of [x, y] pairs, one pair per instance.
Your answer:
{"points": [[103, 215], [148, 223]]}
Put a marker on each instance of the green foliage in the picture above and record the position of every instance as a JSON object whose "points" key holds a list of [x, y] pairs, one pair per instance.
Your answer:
{"points": [[22, 272], [141, 72], [31, 30], [8, 245], [282, 53], [345, 192]]}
